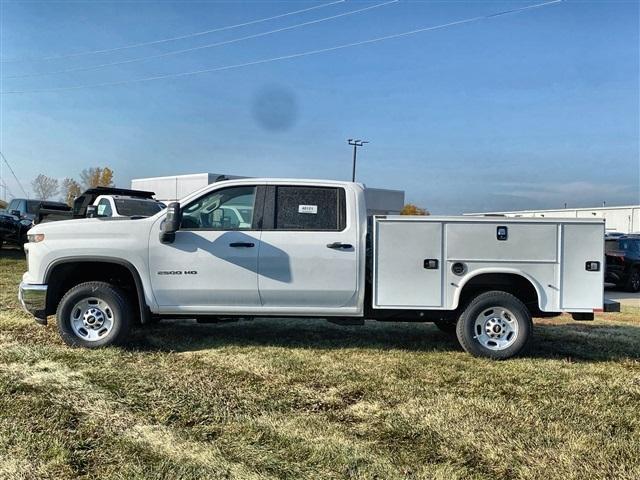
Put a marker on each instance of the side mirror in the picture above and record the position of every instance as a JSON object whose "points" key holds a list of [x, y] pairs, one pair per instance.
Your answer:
{"points": [[16, 213], [91, 211], [171, 223]]}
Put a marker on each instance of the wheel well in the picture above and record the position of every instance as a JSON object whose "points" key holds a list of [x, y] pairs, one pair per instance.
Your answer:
{"points": [[64, 276], [517, 285]]}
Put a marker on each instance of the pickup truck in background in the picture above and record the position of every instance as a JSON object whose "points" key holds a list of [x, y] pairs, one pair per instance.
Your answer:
{"points": [[22, 213], [623, 261], [119, 206], [305, 248], [115, 202]]}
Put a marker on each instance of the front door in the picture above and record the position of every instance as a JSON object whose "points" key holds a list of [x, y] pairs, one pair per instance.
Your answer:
{"points": [[309, 249], [213, 261]]}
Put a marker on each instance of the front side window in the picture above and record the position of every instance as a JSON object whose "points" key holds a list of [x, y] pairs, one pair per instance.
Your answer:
{"points": [[104, 208], [309, 208], [226, 209]]}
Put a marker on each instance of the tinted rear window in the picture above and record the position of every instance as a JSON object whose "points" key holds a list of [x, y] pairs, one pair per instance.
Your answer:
{"points": [[309, 208], [134, 208], [32, 207]]}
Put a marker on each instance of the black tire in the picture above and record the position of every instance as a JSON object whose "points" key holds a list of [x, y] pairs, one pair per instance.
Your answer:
{"points": [[446, 326], [470, 336], [633, 283], [118, 311]]}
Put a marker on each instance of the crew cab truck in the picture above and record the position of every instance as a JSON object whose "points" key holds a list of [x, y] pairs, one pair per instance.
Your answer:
{"points": [[305, 248]]}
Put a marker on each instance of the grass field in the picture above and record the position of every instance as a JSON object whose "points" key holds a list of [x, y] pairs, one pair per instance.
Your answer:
{"points": [[307, 399]]}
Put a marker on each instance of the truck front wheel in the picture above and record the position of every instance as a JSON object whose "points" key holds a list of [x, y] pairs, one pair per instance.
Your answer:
{"points": [[94, 314], [494, 325]]}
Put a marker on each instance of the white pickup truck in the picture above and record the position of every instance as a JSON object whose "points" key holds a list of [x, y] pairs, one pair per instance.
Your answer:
{"points": [[305, 248]]}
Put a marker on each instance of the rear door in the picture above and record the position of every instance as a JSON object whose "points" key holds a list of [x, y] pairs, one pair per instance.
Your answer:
{"points": [[309, 249]]}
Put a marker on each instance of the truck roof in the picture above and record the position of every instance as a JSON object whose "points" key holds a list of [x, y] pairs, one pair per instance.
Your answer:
{"points": [[273, 181]]}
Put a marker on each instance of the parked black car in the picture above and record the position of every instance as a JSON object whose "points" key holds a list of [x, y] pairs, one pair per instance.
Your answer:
{"points": [[623, 262], [22, 214]]}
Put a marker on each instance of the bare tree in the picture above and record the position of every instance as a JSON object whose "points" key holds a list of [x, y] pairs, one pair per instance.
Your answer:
{"points": [[44, 187], [70, 189]]}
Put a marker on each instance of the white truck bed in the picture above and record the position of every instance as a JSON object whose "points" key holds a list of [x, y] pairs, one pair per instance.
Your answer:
{"points": [[551, 253]]}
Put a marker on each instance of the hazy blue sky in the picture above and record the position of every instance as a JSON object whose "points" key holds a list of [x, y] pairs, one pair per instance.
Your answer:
{"points": [[522, 111]]}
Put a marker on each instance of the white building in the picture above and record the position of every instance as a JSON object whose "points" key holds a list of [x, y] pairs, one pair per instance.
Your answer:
{"points": [[624, 219], [175, 187], [380, 201]]}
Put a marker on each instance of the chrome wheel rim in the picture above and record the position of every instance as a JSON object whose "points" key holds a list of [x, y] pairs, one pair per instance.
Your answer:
{"points": [[92, 319], [496, 328]]}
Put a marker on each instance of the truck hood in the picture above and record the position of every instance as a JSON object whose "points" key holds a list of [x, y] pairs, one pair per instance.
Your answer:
{"points": [[102, 228]]}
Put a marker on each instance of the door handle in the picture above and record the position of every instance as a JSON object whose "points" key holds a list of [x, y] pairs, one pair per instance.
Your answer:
{"points": [[339, 245], [242, 244]]}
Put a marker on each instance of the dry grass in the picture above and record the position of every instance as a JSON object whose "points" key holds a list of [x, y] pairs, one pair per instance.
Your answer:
{"points": [[307, 399]]}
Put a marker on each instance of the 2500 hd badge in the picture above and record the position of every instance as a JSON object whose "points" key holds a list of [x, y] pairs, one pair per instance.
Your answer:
{"points": [[178, 272]]}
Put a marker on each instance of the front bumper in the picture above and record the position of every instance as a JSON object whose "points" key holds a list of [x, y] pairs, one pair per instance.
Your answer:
{"points": [[34, 300]]}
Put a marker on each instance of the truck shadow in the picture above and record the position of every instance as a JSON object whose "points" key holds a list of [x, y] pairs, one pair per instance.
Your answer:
{"points": [[577, 342]]}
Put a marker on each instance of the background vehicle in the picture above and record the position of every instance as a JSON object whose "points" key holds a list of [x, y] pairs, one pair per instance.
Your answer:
{"points": [[22, 213], [623, 262], [124, 206], [115, 202], [305, 249], [11, 229]]}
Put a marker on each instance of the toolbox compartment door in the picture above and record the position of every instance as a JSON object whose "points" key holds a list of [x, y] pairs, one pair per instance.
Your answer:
{"points": [[407, 270], [582, 286]]}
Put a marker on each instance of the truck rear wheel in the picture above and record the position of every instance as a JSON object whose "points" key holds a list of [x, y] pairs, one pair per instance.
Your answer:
{"points": [[633, 284], [94, 314], [494, 325]]}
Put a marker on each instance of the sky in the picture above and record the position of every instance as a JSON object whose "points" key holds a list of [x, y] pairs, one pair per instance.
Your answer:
{"points": [[530, 110]]}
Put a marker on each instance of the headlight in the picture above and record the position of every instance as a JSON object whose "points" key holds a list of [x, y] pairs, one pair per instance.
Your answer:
{"points": [[35, 237]]}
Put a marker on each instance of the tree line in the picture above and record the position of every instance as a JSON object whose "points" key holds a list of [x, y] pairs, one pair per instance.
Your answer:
{"points": [[45, 188]]}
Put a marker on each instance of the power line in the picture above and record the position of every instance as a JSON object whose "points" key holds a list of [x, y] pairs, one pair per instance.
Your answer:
{"points": [[6, 190], [287, 57], [217, 44], [170, 39], [14, 174]]}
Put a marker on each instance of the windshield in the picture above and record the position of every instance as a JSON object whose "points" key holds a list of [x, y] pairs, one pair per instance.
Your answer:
{"points": [[631, 245], [131, 207]]}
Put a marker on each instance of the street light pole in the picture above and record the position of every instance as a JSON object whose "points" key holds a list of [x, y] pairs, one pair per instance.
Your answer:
{"points": [[356, 143]]}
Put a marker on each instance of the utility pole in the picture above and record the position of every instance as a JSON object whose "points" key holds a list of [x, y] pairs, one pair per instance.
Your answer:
{"points": [[356, 143]]}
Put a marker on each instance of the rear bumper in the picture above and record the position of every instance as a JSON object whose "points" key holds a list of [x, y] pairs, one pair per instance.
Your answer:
{"points": [[34, 300]]}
